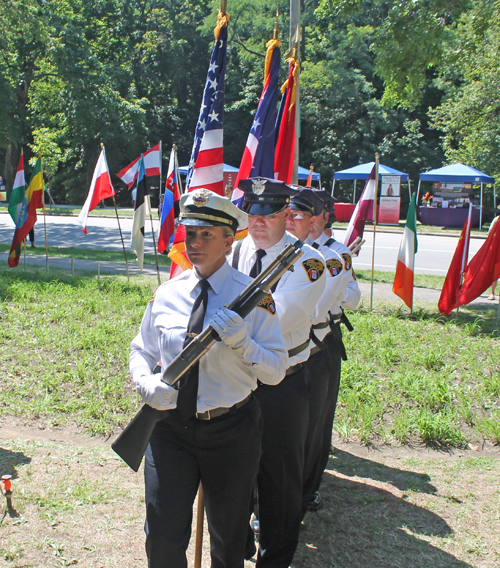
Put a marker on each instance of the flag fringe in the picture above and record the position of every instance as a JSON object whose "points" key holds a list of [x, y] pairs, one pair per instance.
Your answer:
{"points": [[176, 254], [271, 45], [222, 22]]}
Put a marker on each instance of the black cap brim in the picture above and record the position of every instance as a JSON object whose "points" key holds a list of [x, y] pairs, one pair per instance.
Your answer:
{"points": [[263, 208]]}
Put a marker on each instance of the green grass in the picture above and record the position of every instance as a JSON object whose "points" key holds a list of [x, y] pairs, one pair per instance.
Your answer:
{"points": [[64, 345], [420, 280], [420, 377], [91, 254]]}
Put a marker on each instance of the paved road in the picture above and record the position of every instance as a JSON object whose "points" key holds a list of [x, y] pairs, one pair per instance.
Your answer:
{"points": [[434, 252]]}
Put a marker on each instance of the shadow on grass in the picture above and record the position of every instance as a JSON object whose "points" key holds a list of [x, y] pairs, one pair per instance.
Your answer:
{"points": [[350, 465], [9, 460], [361, 525], [475, 320]]}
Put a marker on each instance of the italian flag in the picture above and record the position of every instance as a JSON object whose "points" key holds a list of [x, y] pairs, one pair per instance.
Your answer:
{"points": [[403, 281]]}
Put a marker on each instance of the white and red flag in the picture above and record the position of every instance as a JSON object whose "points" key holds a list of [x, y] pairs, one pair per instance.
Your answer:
{"points": [[100, 188], [362, 212], [403, 281], [152, 166]]}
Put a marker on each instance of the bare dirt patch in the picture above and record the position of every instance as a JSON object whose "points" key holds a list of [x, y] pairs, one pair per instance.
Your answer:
{"points": [[77, 504]]}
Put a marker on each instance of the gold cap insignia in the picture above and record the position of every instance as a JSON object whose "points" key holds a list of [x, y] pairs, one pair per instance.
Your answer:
{"points": [[201, 197]]}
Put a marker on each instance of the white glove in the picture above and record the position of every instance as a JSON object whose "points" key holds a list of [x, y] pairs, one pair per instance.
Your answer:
{"points": [[155, 392], [232, 329]]}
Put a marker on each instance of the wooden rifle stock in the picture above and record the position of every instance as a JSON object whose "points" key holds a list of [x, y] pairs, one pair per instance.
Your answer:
{"points": [[131, 444]]}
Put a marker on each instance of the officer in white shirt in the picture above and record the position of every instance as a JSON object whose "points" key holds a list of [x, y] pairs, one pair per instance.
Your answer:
{"points": [[284, 406], [304, 207], [212, 432], [348, 297]]}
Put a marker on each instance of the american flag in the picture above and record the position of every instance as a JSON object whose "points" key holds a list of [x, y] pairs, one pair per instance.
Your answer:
{"points": [[206, 164], [258, 156]]}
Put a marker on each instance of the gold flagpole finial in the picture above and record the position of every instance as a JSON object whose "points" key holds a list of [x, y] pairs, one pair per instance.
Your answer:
{"points": [[276, 23]]}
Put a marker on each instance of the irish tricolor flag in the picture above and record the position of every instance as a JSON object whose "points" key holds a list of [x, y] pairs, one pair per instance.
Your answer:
{"points": [[403, 282]]}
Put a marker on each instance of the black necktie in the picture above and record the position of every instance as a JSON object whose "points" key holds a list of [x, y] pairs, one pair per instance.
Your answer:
{"points": [[188, 393], [257, 267]]}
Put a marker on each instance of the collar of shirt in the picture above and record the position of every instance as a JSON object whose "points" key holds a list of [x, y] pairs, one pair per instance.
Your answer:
{"points": [[216, 280], [271, 252]]}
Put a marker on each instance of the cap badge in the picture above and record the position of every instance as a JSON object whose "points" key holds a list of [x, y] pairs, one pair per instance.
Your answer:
{"points": [[258, 186], [201, 197]]}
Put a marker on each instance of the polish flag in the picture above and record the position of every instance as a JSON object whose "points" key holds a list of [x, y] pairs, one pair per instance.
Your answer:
{"points": [[152, 165], [100, 188]]}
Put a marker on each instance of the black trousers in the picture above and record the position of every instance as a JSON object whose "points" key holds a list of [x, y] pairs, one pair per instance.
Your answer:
{"points": [[320, 368], [223, 454], [285, 412], [330, 407]]}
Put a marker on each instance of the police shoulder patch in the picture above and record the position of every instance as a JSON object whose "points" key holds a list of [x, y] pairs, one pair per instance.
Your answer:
{"points": [[347, 259], [314, 268], [267, 303], [334, 266]]}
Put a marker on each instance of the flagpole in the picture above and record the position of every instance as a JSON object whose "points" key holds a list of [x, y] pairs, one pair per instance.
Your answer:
{"points": [[176, 167], [44, 216], [24, 247], [119, 226], [154, 242], [374, 225]]}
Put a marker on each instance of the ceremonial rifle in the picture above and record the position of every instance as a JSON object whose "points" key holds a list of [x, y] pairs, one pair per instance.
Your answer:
{"points": [[132, 442]]}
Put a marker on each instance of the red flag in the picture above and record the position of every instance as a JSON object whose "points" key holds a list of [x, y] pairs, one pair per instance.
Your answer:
{"points": [[100, 188], [483, 269], [285, 146], [453, 280]]}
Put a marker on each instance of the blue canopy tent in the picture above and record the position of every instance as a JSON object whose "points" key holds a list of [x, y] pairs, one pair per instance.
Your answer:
{"points": [[363, 171], [303, 173], [459, 173]]}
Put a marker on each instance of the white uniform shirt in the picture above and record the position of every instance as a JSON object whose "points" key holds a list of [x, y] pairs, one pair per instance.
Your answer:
{"points": [[337, 280], [352, 293], [225, 377], [296, 294]]}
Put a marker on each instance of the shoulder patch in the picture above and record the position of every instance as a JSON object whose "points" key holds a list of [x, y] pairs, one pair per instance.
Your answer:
{"points": [[334, 266], [348, 260], [314, 268], [267, 303]]}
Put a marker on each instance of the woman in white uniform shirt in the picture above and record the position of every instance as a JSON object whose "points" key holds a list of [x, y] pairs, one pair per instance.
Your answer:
{"points": [[219, 441]]}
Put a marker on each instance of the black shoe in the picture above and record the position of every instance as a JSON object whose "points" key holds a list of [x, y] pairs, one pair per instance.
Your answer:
{"points": [[315, 502], [33, 246]]}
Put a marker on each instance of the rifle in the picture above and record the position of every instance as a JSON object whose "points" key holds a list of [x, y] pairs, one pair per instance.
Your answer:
{"points": [[132, 442]]}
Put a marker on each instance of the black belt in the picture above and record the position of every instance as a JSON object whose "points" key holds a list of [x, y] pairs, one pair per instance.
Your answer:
{"points": [[293, 369], [298, 349], [216, 412]]}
